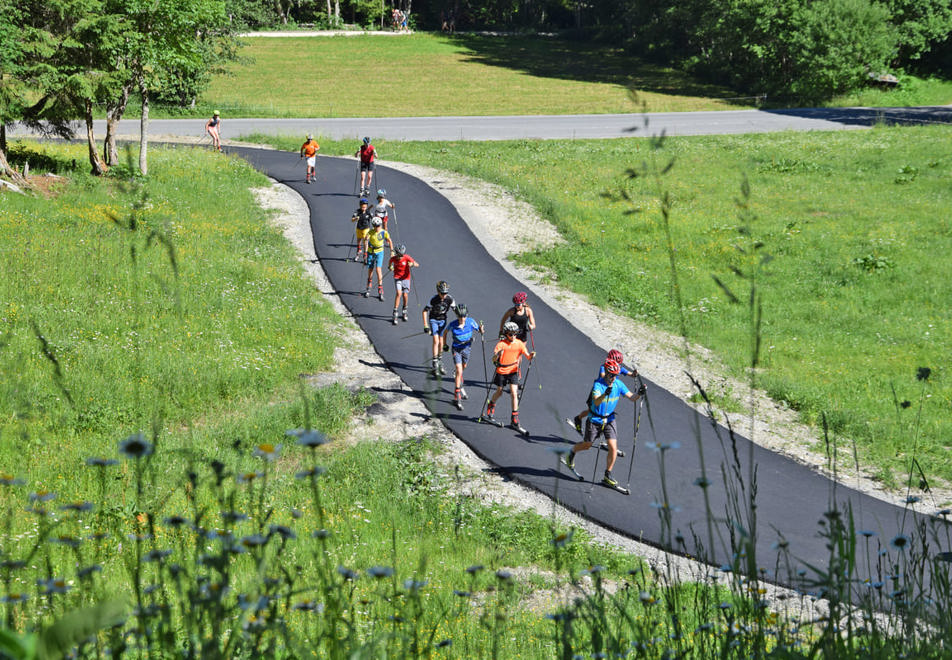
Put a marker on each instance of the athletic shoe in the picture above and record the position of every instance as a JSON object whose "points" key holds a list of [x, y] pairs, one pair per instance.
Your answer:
{"points": [[608, 481], [578, 424], [405, 317], [569, 460], [380, 293], [440, 367], [394, 318], [458, 404], [462, 393], [367, 293]]}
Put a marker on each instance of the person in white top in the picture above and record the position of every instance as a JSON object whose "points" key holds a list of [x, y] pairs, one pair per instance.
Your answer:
{"points": [[381, 210]]}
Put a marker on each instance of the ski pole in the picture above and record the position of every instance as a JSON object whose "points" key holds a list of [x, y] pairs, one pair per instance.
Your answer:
{"points": [[598, 451], [415, 334], [356, 176], [634, 439], [353, 241], [532, 344], [482, 338], [416, 296], [396, 229], [524, 381]]}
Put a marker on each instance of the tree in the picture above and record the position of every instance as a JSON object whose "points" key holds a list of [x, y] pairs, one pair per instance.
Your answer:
{"points": [[11, 90], [920, 24]]}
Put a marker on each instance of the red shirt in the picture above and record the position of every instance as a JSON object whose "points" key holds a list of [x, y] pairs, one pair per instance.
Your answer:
{"points": [[401, 267], [367, 153]]}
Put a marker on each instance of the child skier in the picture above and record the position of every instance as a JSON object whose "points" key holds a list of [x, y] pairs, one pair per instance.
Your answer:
{"points": [[400, 264], [462, 331], [616, 356], [377, 240], [434, 322], [507, 354], [363, 216]]}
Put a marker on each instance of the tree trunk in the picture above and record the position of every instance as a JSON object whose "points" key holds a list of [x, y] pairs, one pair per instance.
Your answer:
{"points": [[5, 169], [329, 14], [3, 138], [113, 115], [337, 20], [98, 167], [144, 132]]}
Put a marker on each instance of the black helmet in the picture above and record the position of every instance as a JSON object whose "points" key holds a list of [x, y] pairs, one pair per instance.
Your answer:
{"points": [[461, 310], [401, 249], [366, 140], [442, 287]]}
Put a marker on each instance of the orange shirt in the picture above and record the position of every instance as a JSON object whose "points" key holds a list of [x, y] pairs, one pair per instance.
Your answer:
{"points": [[511, 353], [310, 148]]}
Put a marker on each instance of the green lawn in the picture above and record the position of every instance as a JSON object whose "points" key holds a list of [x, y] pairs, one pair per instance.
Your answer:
{"points": [[855, 300], [434, 75]]}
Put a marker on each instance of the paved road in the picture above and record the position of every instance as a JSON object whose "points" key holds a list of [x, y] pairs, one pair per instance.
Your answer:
{"points": [[550, 126], [791, 500]]}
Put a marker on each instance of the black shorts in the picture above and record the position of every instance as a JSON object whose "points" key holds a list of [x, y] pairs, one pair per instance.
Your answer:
{"points": [[592, 431], [367, 167], [502, 380]]}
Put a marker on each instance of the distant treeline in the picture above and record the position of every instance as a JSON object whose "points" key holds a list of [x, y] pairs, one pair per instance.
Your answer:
{"points": [[798, 49]]}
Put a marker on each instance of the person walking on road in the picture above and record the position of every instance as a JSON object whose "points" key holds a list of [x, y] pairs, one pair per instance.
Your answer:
{"points": [[363, 216], [462, 331], [603, 398], [400, 264], [368, 158], [434, 322], [507, 355], [381, 210], [615, 356], [309, 151], [521, 314], [213, 128], [377, 240]]}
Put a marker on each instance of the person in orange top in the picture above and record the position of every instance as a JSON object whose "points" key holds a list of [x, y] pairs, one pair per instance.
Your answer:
{"points": [[506, 356], [309, 150]]}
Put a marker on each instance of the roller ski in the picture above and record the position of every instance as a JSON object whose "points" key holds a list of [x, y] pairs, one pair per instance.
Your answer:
{"points": [[575, 424], [458, 403], [488, 419], [619, 452], [514, 425], [608, 482], [569, 462], [380, 293]]}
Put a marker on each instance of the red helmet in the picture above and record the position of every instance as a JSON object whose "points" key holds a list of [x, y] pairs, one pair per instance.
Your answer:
{"points": [[520, 298], [611, 367], [615, 355]]}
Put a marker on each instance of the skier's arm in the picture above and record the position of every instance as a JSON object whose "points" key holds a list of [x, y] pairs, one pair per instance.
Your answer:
{"points": [[531, 324], [505, 317]]}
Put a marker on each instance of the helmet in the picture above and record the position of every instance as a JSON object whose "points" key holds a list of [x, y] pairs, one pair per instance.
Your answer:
{"points": [[615, 355], [309, 136], [366, 140], [611, 367], [364, 200], [381, 193], [520, 298], [442, 287], [216, 113], [509, 328], [461, 310], [376, 222], [401, 249]]}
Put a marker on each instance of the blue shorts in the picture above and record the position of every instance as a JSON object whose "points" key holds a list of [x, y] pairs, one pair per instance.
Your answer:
{"points": [[375, 260], [437, 325], [461, 354]]}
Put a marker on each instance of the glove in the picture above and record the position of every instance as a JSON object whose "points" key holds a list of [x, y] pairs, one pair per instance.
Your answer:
{"points": [[445, 348], [532, 355], [642, 389], [426, 330]]}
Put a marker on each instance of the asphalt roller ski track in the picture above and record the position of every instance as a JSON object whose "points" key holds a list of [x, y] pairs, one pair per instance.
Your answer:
{"points": [[791, 499]]}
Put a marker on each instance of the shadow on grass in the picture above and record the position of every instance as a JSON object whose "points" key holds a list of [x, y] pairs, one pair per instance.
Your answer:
{"points": [[585, 61]]}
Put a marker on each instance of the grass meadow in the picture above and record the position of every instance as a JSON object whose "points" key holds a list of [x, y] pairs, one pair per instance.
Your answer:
{"points": [[854, 300]]}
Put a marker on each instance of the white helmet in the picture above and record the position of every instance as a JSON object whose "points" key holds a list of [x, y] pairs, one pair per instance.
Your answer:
{"points": [[376, 222]]}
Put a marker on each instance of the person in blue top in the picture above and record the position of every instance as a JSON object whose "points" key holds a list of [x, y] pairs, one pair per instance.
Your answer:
{"points": [[606, 391], [462, 331], [615, 355]]}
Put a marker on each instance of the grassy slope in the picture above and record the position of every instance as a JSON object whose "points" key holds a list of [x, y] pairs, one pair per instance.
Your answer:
{"points": [[836, 337]]}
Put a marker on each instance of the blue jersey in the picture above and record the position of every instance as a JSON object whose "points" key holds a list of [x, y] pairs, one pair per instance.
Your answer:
{"points": [[463, 332], [606, 411]]}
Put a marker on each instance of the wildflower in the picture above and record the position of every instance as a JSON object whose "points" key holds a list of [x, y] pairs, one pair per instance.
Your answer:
{"points": [[702, 482], [53, 586], [899, 542], [308, 437], [98, 536], [248, 477], [346, 573], [156, 555], [139, 537], [665, 506], [867, 533], [136, 447], [503, 575], [646, 598], [320, 534], [662, 447], [10, 480], [379, 571], [726, 568], [97, 461], [944, 556], [42, 496], [12, 565], [461, 594], [78, 507], [474, 569], [86, 572], [13, 598], [563, 539], [283, 531], [253, 541], [923, 373], [560, 451], [725, 605], [943, 512], [443, 643], [912, 499], [413, 585], [175, 521], [38, 510], [267, 451], [233, 516], [310, 473]]}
